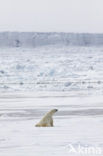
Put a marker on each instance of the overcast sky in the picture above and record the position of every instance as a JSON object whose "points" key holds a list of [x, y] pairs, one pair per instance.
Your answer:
{"points": [[51, 15]]}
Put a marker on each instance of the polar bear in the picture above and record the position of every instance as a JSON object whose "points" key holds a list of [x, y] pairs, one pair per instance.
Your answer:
{"points": [[47, 120]]}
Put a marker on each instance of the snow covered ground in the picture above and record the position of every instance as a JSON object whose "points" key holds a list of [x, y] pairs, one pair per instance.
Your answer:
{"points": [[33, 81], [79, 122], [51, 68]]}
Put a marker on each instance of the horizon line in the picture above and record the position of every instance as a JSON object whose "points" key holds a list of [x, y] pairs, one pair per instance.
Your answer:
{"points": [[8, 31]]}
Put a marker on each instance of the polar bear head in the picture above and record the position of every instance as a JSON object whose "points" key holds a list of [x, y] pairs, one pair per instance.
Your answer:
{"points": [[52, 112]]}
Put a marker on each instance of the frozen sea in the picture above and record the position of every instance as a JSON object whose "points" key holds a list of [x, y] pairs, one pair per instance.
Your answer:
{"points": [[51, 68], [33, 81]]}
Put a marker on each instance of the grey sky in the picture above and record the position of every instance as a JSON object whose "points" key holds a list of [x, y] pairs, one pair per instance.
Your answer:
{"points": [[51, 15]]}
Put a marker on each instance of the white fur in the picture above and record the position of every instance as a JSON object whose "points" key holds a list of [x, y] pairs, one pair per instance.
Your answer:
{"points": [[47, 120]]}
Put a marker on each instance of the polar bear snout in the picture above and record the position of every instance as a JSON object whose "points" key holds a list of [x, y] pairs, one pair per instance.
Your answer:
{"points": [[56, 110]]}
